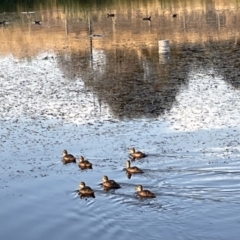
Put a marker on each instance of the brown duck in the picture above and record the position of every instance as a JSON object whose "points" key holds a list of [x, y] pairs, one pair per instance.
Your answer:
{"points": [[144, 193], [132, 169], [84, 163], [136, 154], [109, 184], [68, 158], [85, 191]]}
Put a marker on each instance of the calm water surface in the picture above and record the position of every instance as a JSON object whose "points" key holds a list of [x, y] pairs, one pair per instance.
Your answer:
{"points": [[96, 86]]}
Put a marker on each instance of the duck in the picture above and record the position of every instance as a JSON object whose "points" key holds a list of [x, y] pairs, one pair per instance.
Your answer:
{"points": [[85, 191], [133, 169], [84, 163], [147, 18], [68, 158], [144, 193], [96, 35], [37, 22], [137, 154], [109, 184], [2, 22], [110, 15], [174, 15]]}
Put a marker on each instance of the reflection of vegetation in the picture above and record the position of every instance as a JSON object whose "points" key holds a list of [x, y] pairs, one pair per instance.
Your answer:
{"points": [[225, 56], [15, 5], [29, 5], [81, 5], [133, 86], [78, 4], [123, 68], [25, 5]]}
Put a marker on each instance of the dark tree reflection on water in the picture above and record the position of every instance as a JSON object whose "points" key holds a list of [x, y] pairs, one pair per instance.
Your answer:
{"points": [[140, 86], [136, 81], [30, 5], [133, 87]]}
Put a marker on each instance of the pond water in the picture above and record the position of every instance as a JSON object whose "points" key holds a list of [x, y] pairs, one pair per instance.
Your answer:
{"points": [[98, 85]]}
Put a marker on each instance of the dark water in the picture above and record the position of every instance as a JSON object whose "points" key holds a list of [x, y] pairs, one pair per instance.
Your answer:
{"points": [[96, 86]]}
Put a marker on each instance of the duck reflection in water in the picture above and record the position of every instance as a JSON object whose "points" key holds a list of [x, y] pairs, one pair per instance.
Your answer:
{"points": [[85, 191], [144, 193], [109, 184], [128, 174], [84, 164], [68, 158], [136, 154]]}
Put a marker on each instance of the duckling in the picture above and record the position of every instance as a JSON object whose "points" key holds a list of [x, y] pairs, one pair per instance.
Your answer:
{"points": [[84, 163], [85, 191], [110, 15], [147, 18], [137, 154], [109, 184], [68, 158], [132, 169], [144, 193]]}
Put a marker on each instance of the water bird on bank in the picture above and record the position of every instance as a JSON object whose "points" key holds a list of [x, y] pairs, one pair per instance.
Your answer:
{"points": [[109, 184], [68, 158], [174, 15], [85, 191], [133, 169], [147, 18], [136, 154], [110, 15], [84, 163], [144, 193]]}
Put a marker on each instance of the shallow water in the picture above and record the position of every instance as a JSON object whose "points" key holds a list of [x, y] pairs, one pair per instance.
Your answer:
{"points": [[96, 86]]}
